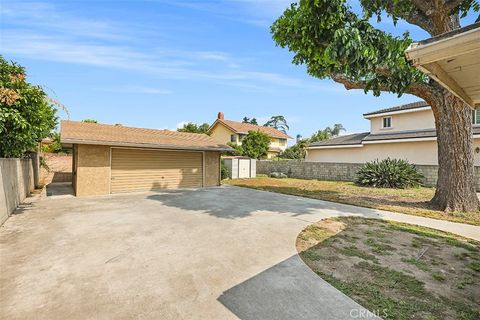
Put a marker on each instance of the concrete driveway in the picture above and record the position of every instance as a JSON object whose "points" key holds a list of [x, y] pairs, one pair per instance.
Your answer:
{"points": [[216, 253]]}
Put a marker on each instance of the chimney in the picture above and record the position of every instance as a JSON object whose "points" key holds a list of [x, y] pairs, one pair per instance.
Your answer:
{"points": [[221, 116]]}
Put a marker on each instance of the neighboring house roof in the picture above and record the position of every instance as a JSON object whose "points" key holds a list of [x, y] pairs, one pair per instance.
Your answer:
{"points": [[73, 132], [244, 128], [349, 139], [360, 138], [408, 106]]}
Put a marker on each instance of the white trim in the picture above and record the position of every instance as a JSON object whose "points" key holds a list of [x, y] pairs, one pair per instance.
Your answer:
{"points": [[453, 46], [388, 113], [383, 123], [336, 146], [400, 140]]}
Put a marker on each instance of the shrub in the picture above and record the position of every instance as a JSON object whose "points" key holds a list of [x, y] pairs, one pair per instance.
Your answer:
{"points": [[389, 173], [223, 170]]}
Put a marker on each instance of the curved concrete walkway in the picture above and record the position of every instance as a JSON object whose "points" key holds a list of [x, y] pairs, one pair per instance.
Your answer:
{"points": [[218, 253]]}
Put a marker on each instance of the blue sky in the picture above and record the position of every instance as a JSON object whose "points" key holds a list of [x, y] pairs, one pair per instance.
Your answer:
{"points": [[158, 64]]}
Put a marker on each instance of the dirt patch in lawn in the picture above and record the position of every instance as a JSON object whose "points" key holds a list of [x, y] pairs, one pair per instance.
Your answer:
{"points": [[396, 270], [414, 201]]}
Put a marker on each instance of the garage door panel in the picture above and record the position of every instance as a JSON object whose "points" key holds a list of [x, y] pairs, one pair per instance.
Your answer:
{"points": [[140, 170]]}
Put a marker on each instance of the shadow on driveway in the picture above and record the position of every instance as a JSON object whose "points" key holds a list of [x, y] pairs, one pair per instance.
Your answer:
{"points": [[235, 202], [290, 290]]}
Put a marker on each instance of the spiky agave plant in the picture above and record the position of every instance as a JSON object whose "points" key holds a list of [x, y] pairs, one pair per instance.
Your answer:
{"points": [[389, 173]]}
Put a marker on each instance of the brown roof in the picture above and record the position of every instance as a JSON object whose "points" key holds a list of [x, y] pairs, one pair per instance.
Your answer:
{"points": [[355, 138], [359, 138], [408, 106], [240, 127], [73, 132], [452, 33]]}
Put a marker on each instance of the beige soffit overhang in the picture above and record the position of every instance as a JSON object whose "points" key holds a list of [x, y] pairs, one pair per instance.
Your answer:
{"points": [[452, 59]]}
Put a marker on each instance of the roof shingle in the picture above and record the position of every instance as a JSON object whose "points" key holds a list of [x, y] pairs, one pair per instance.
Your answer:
{"points": [[408, 106], [240, 127], [118, 135], [349, 139], [358, 138]]}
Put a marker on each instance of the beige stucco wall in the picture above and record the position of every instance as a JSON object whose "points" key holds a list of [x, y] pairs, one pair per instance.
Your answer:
{"points": [[92, 170], [212, 169], [221, 133], [404, 121], [278, 143], [424, 152]]}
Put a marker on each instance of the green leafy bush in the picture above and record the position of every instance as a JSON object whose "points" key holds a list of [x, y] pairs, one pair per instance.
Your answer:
{"points": [[26, 115], [223, 170], [389, 173]]}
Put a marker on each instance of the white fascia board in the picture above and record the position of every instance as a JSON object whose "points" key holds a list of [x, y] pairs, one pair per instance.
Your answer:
{"points": [[336, 146]]}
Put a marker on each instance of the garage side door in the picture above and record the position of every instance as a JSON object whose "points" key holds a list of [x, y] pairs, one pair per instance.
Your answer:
{"points": [[142, 170]]}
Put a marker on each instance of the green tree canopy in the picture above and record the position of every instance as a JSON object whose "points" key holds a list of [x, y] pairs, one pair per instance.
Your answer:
{"points": [[255, 145], [194, 128], [251, 121], [26, 116], [297, 151], [278, 122], [89, 121], [335, 42]]}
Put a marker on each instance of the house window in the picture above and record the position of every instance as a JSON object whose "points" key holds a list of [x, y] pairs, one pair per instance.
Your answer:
{"points": [[233, 138], [476, 116], [283, 142], [386, 122]]}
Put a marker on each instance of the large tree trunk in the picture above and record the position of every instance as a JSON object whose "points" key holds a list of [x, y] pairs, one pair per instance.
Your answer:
{"points": [[456, 178]]}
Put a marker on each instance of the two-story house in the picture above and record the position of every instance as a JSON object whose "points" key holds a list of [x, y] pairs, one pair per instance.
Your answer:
{"points": [[402, 132], [225, 131]]}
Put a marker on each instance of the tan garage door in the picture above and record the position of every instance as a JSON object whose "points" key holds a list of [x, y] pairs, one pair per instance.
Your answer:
{"points": [[141, 170]]}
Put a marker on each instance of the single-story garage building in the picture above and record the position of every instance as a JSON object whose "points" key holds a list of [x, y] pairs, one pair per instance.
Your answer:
{"points": [[114, 158]]}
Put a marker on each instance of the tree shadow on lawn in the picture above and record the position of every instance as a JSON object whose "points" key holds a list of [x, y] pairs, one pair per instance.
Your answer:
{"points": [[352, 199], [236, 202], [405, 270]]}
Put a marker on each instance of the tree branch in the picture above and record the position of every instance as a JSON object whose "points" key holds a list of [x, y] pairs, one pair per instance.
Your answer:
{"points": [[418, 16], [452, 4], [350, 84], [422, 90]]}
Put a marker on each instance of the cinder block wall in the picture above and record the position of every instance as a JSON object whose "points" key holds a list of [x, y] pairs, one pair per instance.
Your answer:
{"points": [[17, 181], [338, 171]]}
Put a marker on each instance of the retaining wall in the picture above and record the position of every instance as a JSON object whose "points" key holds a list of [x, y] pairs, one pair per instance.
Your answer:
{"points": [[338, 171], [17, 181]]}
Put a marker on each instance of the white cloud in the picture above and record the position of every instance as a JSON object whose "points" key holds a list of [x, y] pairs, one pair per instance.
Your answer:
{"points": [[43, 32], [148, 90], [181, 124]]}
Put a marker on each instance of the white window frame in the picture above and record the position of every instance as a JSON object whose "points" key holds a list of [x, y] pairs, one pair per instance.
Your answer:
{"points": [[383, 123], [475, 118]]}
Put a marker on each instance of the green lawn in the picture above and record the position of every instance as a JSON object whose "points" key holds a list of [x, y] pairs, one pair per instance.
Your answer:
{"points": [[396, 270], [412, 201]]}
